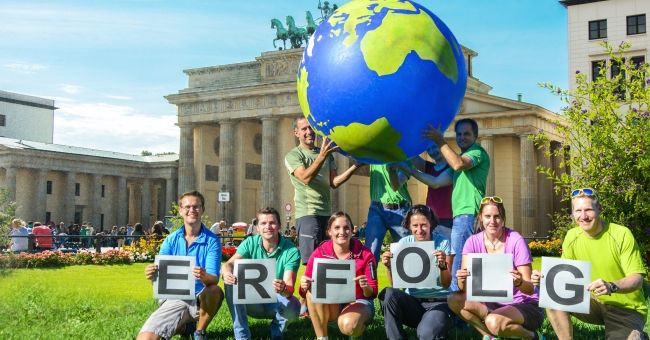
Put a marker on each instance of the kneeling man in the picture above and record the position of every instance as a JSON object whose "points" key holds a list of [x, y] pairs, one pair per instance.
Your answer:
{"points": [[191, 239], [617, 300], [267, 244]]}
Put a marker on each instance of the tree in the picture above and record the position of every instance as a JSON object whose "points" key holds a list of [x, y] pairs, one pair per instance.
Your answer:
{"points": [[7, 213], [606, 126], [146, 153]]}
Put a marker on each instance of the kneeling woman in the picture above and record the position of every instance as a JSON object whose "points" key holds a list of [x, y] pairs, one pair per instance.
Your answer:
{"points": [[423, 308], [519, 318], [353, 317]]}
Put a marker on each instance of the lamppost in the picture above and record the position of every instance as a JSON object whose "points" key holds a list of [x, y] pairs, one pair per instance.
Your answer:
{"points": [[223, 198]]}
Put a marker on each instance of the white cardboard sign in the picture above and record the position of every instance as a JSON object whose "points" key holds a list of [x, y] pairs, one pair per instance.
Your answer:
{"points": [[254, 281], [174, 279], [564, 285], [490, 279], [333, 281], [413, 265]]}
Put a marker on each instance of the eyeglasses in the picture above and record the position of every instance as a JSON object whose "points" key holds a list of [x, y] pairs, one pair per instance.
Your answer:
{"points": [[583, 192], [495, 199], [192, 207]]}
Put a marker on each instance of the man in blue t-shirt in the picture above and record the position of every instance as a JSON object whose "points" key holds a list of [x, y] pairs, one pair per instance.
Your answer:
{"points": [[267, 244], [191, 239]]}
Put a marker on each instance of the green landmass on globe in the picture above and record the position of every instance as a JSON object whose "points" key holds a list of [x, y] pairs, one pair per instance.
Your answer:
{"points": [[375, 112]]}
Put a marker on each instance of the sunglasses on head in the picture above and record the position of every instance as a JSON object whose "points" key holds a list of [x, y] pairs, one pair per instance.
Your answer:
{"points": [[421, 209], [583, 192], [495, 199]]}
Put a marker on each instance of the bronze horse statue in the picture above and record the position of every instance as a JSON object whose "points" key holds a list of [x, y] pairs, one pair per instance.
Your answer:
{"points": [[280, 34], [311, 24], [296, 34]]}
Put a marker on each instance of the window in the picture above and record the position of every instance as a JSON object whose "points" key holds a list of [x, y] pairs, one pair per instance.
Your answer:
{"points": [[48, 216], [77, 189], [598, 29], [49, 187], [638, 62], [103, 190], [3, 120], [614, 72], [636, 24], [596, 67], [101, 221]]}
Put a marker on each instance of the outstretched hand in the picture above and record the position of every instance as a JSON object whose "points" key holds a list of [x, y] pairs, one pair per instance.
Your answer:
{"points": [[435, 135], [328, 147]]}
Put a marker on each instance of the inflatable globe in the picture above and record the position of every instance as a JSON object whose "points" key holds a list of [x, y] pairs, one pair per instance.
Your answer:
{"points": [[375, 74]]}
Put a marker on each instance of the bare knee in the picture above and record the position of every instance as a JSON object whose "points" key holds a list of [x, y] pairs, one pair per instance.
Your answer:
{"points": [[211, 298], [348, 324], [495, 323], [456, 301]]}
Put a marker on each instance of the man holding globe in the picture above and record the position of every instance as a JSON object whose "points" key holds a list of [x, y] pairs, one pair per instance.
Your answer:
{"points": [[313, 173], [468, 173]]}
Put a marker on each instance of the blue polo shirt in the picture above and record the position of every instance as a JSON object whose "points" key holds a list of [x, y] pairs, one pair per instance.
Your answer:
{"points": [[206, 249]]}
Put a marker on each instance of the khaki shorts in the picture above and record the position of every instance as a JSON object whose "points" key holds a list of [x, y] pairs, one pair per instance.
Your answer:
{"points": [[619, 322], [170, 315]]}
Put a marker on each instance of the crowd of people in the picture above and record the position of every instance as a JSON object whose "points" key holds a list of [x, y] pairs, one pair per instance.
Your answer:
{"points": [[52, 236]]}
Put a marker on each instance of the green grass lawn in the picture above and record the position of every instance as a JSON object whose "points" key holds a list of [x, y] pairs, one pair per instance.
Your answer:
{"points": [[112, 302]]}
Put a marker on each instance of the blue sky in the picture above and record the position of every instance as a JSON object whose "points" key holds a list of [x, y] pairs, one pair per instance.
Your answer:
{"points": [[108, 64]]}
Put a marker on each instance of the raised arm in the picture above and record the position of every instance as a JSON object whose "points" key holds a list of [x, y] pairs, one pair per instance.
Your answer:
{"points": [[336, 180], [455, 161], [306, 175]]}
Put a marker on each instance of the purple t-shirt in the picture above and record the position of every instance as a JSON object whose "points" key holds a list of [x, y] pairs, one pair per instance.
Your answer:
{"points": [[515, 245]]}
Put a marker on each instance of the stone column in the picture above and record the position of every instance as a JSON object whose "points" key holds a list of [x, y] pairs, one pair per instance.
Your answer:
{"points": [[227, 164], [487, 142], [69, 206], [10, 182], [545, 197], [41, 196], [270, 159], [169, 194], [528, 186], [146, 203], [95, 200], [122, 201], [186, 174]]}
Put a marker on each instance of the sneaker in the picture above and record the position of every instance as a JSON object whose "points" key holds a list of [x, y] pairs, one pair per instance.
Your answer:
{"points": [[304, 315], [200, 335]]}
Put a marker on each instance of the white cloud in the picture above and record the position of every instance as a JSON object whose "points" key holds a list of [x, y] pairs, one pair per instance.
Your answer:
{"points": [[23, 67], [115, 128], [70, 89], [111, 96]]}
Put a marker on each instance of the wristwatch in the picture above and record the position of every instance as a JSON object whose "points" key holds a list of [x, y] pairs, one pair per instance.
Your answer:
{"points": [[613, 288]]}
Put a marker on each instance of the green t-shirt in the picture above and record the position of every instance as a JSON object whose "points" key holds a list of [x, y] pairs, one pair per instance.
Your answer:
{"points": [[286, 255], [313, 199], [614, 254], [469, 184], [380, 189]]}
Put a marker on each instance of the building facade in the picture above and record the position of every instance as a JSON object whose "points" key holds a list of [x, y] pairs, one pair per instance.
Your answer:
{"points": [[592, 22], [26, 117], [236, 127], [69, 184]]}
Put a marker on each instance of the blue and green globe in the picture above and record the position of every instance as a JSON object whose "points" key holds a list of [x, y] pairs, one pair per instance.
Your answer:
{"points": [[375, 74]]}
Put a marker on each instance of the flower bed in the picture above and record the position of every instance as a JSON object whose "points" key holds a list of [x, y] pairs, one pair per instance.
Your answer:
{"points": [[551, 247], [227, 253], [49, 259]]}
